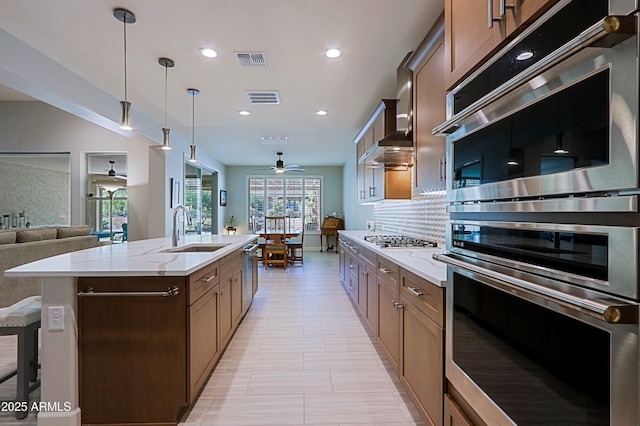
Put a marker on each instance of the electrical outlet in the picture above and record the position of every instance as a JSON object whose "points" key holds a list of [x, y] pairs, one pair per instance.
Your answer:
{"points": [[56, 317]]}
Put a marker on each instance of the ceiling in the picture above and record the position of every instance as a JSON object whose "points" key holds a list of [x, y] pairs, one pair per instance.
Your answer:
{"points": [[85, 39]]}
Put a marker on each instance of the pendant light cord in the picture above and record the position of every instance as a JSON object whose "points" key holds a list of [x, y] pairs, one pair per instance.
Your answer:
{"points": [[193, 117], [124, 22], [165, 95]]}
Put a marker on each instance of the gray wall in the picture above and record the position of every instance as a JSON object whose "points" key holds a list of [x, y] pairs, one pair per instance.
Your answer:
{"points": [[236, 186]]}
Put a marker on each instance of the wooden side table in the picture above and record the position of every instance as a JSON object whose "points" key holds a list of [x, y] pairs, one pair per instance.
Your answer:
{"points": [[330, 226]]}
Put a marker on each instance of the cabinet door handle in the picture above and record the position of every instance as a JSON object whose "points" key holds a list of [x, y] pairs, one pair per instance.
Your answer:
{"points": [[171, 291], [414, 291], [443, 169], [503, 6], [209, 278], [364, 273]]}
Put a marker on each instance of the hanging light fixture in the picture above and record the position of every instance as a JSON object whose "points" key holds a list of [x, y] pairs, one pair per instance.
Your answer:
{"points": [[512, 157], [126, 17], [559, 148], [166, 63], [193, 93]]}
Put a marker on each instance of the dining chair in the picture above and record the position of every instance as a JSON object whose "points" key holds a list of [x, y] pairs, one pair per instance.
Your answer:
{"points": [[275, 244], [295, 247]]}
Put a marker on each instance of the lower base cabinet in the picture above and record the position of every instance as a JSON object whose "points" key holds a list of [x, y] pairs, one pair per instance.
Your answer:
{"points": [[422, 362], [203, 340], [132, 351], [453, 415], [144, 359], [406, 314], [389, 323]]}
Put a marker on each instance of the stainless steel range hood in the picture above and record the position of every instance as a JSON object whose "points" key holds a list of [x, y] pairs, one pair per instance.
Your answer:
{"points": [[396, 149]]}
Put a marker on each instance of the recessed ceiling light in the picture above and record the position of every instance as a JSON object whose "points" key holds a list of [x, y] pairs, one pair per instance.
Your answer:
{"points": [[208, 52], [244, 112], [525, 55], [332, 53], [321, 112]]}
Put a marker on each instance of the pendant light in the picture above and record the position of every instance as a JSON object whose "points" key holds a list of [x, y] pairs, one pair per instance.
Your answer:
{"points": [[126, 17], [166, 63], [559, 148], [193, 93], [512, 158], [559, 135]]}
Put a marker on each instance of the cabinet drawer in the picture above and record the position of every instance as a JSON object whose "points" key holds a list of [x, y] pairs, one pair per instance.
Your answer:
{"points": [[388, 271], [427, 297], [202, 280], [368, 256], [230, 262]]}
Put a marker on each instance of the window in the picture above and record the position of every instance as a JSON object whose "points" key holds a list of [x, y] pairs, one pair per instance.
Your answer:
{"points": [[198, 199], [297, 198], [107, 206]]}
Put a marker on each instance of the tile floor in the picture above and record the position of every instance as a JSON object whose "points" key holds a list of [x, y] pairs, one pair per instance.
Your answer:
{"points": [[301, 356]]}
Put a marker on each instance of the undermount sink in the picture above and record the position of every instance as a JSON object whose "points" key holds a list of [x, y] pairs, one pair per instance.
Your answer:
{"points": [[195, 248]]}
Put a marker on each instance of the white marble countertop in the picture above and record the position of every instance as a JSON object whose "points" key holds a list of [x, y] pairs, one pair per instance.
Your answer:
{"points": [[416, 260], [133, 258]]}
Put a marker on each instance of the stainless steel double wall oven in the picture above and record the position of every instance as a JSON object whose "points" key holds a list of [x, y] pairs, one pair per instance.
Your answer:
{"points": [[543, 244]]}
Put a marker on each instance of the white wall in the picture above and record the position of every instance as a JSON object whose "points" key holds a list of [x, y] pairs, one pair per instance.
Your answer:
{"points": [[356, 215], [38, 127]]}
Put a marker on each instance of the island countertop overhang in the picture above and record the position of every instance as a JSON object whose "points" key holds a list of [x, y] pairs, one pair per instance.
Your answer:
{"points": [[134, 258]]}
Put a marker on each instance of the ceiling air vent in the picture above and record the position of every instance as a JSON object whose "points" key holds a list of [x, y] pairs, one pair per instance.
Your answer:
{"points": [[251, 59], [274, 140], [263, 97]]}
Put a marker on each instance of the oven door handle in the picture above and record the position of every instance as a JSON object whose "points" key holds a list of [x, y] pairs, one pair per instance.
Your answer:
{"points": [[607, 310]]}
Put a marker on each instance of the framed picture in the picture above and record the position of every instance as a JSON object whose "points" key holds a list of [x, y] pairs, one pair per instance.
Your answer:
{"points": [[174, 189], [223, 197]]}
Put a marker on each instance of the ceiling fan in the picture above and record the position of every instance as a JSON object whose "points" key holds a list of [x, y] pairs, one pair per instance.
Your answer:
{"points": [[281, 168], [112, 172]]}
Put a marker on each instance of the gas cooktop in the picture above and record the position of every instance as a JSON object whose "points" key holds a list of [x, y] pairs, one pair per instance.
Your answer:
{"points": [[401, 241]]}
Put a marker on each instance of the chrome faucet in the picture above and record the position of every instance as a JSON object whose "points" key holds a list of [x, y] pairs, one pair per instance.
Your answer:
{"points": [[174, 234]]}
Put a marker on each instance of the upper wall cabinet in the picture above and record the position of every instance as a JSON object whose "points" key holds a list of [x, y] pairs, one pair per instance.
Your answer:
{"points": [[475, 29], [429, 111], [378, 182]]}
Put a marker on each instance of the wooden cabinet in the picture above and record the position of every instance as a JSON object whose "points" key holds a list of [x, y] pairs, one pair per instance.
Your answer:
{"points": [[429, 112], [389, 311], [203, 340], [132, 351], [202, 326], [351, 272], [374, 181], [422, 345], [407, 315], [366, 271], [230, 296], [144, 357], [453, 415], [471, 35], [342, 258]]}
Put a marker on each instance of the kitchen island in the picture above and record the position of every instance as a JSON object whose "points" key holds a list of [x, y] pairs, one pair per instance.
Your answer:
{"points": [[135, 328]]}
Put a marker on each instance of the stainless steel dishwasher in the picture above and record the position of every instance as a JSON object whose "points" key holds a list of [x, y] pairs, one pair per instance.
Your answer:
{"points": [[249, 274]]}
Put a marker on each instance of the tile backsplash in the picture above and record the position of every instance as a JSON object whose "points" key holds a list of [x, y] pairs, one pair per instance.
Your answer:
{"points": [[423, 217]]}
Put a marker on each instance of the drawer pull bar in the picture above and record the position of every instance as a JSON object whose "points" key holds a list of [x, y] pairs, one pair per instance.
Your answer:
{"points": [[384, 271], [414, 291], [171, 291], [209, 278]]}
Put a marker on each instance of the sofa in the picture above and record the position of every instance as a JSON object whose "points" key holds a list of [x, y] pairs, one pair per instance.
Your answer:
{"points": [[20, 246]]}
